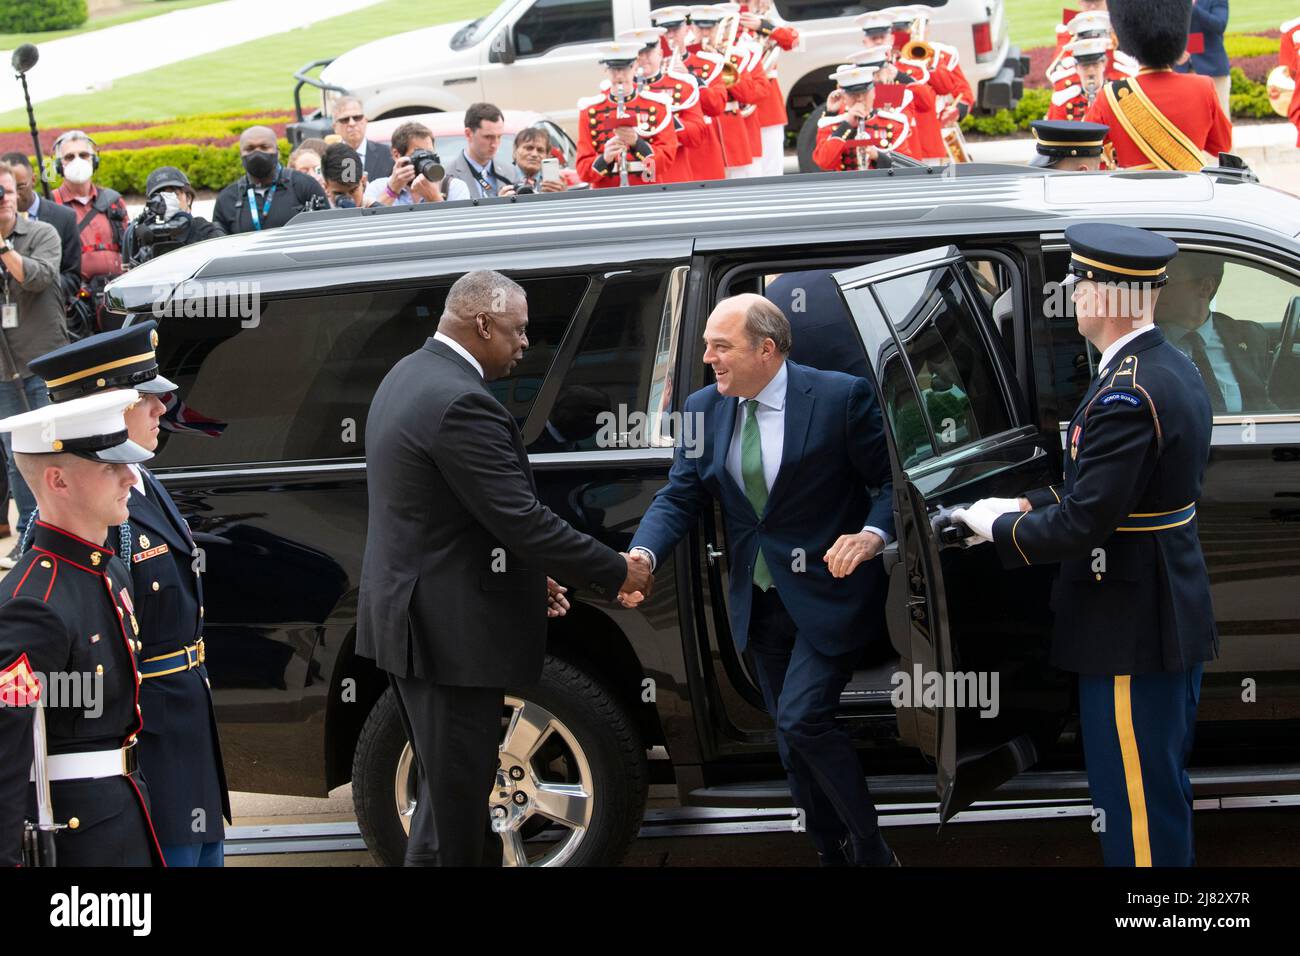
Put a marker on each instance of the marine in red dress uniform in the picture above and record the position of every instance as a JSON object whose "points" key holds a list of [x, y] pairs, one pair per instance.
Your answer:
{"points": [[1088, 60], [623, 125], [699, 137], [1289, 57], [1156, 32], [760, 21], [724, 93], [655, 73], [860, 131]]}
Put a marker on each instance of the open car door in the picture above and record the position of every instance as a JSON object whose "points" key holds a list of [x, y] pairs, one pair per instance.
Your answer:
{"points": [[974, 691]]}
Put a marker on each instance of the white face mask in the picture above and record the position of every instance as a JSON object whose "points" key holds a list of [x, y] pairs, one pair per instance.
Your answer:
{"points": [[173, 204], [78, 171]]}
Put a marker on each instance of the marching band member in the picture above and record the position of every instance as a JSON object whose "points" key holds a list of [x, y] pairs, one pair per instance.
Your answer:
{"points": [[671, 79], [703, 148], [760, 18], [1063, 32], [893, 90], [1088, 58], [1289, 57], [861, 137], [1063, 72], [937, 65], [724, 73], [625, 135]]}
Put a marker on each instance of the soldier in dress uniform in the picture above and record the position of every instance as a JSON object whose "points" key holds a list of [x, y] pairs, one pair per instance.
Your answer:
{"points": [[900, 92], [728, 73], [1133, 613], [1087, 75], [69, 642], [669, 78], [625, 135], [1093, 25], [1067, 146], [879, 29], [179, 748], [860, 137], [702, 144], [1063, 33], [1160, 119], [762, 24], [948, 79]]}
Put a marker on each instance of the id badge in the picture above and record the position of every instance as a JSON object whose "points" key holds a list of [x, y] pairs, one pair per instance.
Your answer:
{"points": [[9, 315]]}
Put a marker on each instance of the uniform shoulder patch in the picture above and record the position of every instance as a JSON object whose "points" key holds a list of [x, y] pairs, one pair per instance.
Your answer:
{"points": [[588, 101], [1290, 25], [1122, 396], [1061, 97], [834, 119], [655, 96]]}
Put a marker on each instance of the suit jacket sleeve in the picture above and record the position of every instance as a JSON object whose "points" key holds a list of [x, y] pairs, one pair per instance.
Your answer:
{"points": [[225, 211], [41, 264], [474, 450], [676, 506], [866, 442], [1116, 457]]}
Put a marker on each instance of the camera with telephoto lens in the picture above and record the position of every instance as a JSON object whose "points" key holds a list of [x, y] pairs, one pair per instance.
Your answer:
{"points": [[427, 164], [152, 227]]}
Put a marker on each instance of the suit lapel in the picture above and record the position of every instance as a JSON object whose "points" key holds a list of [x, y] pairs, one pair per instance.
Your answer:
{"points": [[798, 413], [726, 418]]}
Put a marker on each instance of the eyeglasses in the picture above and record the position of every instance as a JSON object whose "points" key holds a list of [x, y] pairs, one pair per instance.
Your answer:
{"points": [[69, 157], [348, 120]]}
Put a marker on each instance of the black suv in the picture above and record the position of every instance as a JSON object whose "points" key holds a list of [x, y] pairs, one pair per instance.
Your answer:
{"points": [[278, 340]]}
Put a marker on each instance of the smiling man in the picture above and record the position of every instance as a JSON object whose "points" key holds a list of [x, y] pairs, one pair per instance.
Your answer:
{"points": [[792, 453]]}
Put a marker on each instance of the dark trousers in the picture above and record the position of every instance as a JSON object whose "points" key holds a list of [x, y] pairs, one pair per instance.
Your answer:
{"points": [[1137, 735], [456, 735], [801, 688]]}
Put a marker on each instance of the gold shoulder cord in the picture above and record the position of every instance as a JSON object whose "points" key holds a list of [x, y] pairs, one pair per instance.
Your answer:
{"points": [[1160, 141]]}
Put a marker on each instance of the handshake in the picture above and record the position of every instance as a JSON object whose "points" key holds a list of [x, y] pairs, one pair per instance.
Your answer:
{"points": [[635, 588]]}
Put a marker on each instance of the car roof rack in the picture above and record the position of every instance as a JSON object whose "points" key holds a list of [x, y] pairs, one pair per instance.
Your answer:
{"points": [[1231, 169]]}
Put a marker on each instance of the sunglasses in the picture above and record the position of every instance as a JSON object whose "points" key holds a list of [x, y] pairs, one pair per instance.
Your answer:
{"points": [[348, 120]]}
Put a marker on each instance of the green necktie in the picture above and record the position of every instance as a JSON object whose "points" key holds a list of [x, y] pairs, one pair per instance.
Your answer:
{"points": [[751, 472]]}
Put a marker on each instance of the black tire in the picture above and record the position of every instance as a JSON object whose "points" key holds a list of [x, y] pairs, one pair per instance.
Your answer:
{"points": [[807, 141], [610, 740]]}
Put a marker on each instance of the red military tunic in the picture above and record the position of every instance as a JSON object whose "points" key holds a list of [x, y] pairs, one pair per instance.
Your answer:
{"points": [[697, 146], [717, 103], [912, 100], [1289, 57], [656, 144], [928, 132], [1188, 101], [838, 139], [771, 111]]}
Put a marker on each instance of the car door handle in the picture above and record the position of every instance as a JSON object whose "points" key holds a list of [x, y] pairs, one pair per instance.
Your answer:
{"points": [[712, 553], [949, 533], [456, 80], [889, 556]]}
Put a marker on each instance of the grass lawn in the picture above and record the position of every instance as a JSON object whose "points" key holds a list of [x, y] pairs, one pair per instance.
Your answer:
{"points": [[125, 13], [257, 74], [1033, 22]]}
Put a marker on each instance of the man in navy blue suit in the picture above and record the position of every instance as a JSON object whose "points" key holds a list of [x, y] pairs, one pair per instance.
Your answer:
{"points": [[792, 454], [1209, 21]]}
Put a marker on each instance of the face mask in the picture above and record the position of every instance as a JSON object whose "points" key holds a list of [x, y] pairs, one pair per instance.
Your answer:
{"points": [[78, 171], [172, 203], [258, 164]]}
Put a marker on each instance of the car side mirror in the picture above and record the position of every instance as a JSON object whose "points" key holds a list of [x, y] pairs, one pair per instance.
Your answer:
{"points": [[503, 48]]}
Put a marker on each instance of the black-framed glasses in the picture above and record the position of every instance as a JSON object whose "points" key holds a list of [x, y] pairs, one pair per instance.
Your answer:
{"points": [[348, 120]]}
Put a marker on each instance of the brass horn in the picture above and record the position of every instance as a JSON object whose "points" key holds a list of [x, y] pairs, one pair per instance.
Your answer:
{"points": [[1281, 86]]}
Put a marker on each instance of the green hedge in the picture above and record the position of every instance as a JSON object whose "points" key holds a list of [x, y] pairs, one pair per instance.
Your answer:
{"points": [[208, 167], [1243, 44], [1248, 98], [41, 16]]}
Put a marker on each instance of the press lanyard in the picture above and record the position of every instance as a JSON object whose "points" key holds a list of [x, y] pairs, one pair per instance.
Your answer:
{"points": [[488, 188], [266, 206]]}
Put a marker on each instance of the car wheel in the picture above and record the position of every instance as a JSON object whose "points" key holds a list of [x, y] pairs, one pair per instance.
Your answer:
{"points": [[807, 141], [571, 783]]}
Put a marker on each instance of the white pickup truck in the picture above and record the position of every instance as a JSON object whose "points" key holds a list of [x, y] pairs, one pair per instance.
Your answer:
{"points": [[540, 55]]}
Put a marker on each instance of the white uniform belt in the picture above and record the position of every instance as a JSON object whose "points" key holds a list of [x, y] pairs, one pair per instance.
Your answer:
{"points": [[90, 764]]}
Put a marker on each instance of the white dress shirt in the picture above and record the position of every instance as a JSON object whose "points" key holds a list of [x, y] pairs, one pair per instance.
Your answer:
{"points": [[459, 350], [770, 413], [139, 479], [1220, 362]]}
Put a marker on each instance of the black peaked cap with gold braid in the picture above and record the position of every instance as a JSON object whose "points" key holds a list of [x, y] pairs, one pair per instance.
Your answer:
{"points": [[122, 358], [1103, 252]]}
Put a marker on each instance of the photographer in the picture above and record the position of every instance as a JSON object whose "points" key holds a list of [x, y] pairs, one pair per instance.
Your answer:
{"points": [[417, 174], [166, 222], [531, 151], [60, 217], [101, 221], [268, 194]]}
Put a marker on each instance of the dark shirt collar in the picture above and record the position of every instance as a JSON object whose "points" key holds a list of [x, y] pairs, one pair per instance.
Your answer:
{"points": [[68, 547]]}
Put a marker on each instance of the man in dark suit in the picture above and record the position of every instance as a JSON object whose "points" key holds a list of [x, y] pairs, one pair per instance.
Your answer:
{"points": [[454, 588], [61, 218], [477, 165], [791, 454], [1232, 355], [820, 327], [350, 124]]}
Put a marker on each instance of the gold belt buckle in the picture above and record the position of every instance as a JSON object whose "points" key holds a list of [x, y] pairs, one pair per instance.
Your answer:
{"points": [[202, 651]]}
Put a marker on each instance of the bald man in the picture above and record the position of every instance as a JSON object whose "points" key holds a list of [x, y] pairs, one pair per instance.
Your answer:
{"points": [[455, 586], [268, 194], [796, 456]]}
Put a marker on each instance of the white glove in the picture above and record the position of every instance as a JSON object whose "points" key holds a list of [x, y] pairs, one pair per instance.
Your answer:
{"points": [[979, 517], [1000, 505]]}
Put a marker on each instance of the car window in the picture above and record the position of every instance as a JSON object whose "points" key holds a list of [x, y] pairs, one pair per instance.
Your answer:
{"points": [[1235, 318], [552, 23], [960, 395], [621, 370], [297, 383]]}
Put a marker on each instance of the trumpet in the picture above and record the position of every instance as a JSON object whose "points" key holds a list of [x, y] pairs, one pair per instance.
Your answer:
{"points": [[863, 156], [917, 50], [620, 99]]}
